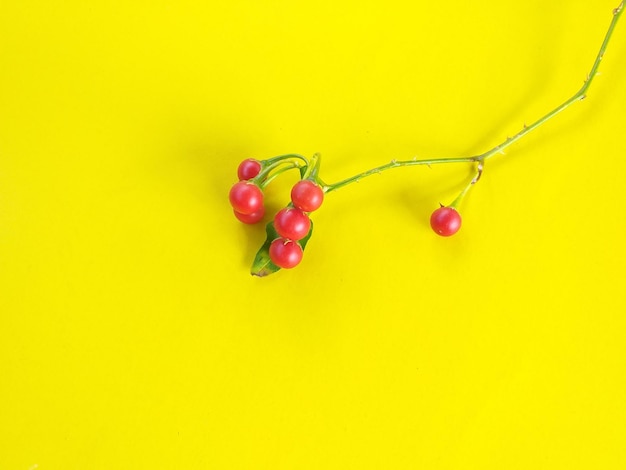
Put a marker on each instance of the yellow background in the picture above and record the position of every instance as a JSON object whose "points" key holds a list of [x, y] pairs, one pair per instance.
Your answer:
{"points": [[131, 333]]}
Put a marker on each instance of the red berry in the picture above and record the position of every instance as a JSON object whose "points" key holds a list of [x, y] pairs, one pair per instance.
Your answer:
{"points": [[251, 218], [285, 253], [445, 221], [246, 198], [248, 169], [292, 223], [307, 196]]}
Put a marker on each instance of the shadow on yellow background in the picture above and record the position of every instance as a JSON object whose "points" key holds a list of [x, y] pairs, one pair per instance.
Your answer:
{"points": [[133, 336]]}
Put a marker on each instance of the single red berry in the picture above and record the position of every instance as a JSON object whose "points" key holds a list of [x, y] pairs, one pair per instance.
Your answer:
{"points": [[292, 223], [445, 221], [251, 218], [246, 198], [307, 196], [248, 169], [285, 253]]}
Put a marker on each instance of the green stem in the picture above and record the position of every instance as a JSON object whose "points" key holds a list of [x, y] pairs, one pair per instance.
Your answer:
{"points": [[270, 165], [313, 169], [286, 166], [394, 164], [271, 161], [473, 181], [578, 96]]}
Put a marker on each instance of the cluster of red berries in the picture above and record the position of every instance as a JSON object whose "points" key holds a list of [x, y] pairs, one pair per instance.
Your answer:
{"points": [[289, 230], [291, 224], [246, 196]]}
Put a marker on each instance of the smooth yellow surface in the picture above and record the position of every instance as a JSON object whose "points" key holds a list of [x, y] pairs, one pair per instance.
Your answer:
{"points": [[132, 335]]}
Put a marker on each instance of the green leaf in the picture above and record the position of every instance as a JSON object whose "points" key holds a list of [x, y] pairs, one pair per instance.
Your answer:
{"points": [[303, 170], [262, 265]]}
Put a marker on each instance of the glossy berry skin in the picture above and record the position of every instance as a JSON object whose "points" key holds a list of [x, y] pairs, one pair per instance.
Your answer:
{"points": [[246, 198], [253, 218], [292, 223], [445, 221], [307, 196], [285, 253], [248, 169]]}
